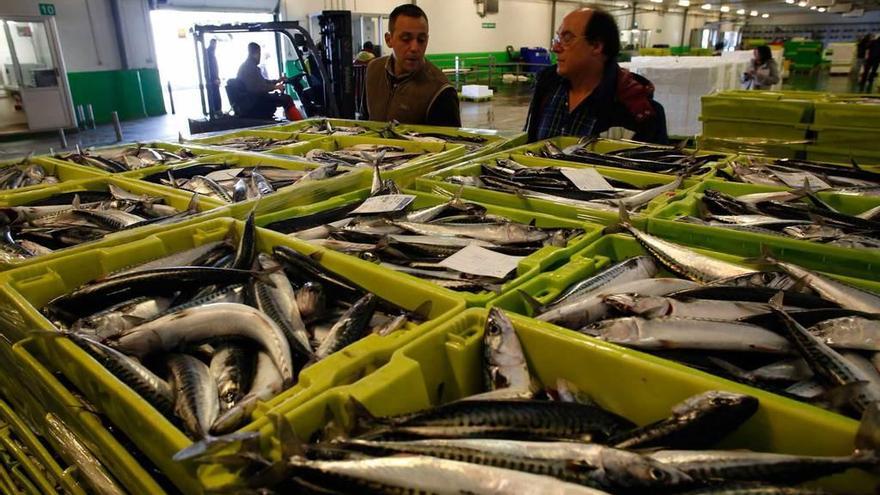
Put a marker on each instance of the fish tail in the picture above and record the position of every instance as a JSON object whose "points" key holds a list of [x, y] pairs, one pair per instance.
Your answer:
{"points": [[868, 435], [766, 258], [534, 305], [623, 224]]}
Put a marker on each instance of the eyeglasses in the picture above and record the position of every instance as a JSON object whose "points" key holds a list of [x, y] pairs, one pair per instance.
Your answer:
{"points": [[565, 39]]}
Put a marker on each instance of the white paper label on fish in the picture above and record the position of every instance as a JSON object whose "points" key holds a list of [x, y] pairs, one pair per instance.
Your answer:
{"points": [[384, 204], [586, 179], [477, 260], [796, 179]]}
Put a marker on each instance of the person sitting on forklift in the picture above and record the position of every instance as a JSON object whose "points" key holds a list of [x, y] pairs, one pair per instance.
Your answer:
{"points": [[365, 55], [256, 100], [404, 86]]}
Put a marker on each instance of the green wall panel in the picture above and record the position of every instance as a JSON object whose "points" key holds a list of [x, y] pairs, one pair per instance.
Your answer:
{"points": [[134, 93]]}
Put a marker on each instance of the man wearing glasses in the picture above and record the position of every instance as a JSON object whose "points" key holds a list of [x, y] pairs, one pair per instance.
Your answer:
{"points": [[586, 93]]}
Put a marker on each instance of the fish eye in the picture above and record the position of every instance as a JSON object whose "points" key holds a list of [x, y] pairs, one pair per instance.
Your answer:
{"points": [[494, 330], [657, 474]]}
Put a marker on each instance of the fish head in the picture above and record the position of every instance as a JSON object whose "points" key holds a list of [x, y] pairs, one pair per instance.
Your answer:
{"points": [[717, 402], [645, 306], [501, 347], [618, 330], [630, 470]]}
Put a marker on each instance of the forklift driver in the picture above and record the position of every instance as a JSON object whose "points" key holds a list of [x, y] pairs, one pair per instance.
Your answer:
{"points": [[256, 100]]}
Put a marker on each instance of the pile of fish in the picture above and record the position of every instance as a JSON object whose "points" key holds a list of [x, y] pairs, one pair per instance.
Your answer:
{"points": [[25, 174], [799, 214], [511, 440], [231, 184], [645, 158], [254, 143], [326, 128], [550, 183], [206, 334], [126, 159], [387, 157], [785, 172], [71, 218], [416, 242], [790, 330], [471, 142]]}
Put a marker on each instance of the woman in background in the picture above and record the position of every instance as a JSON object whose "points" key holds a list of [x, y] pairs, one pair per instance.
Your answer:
{"points": [[763, 72]]}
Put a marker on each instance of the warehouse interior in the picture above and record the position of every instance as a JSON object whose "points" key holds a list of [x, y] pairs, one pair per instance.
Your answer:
{"points": [[483, 247]]}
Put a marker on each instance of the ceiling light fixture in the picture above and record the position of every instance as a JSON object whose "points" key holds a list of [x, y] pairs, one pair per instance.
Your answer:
{"points": [[684, 3], [706, 6], [741, 11], [802, 3], [765, 16], [753, 13], [656, 1], [813, 7], [821, 9], [724, 8], [790, 2]]}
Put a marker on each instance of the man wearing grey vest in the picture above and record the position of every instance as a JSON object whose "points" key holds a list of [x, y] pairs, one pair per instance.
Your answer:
{"points": [[404, 86]]}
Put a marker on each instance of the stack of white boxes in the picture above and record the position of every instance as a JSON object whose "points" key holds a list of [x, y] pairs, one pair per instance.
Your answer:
{"points": [[842, 56], [680, 82]]}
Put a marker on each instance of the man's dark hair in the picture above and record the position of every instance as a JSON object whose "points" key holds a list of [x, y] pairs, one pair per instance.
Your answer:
{"points": [[253, 47], [764, 53], [368, 46], [408, 10], [602, 28]]}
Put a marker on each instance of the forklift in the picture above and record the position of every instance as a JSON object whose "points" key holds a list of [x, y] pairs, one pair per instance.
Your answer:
{"points": [[327, 85], [313, 86]]}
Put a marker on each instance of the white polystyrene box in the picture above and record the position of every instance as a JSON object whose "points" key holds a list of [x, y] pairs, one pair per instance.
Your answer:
{"points": [[475, 91]]}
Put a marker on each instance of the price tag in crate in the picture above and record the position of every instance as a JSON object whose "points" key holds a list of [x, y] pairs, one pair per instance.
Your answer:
{"points": [[477, 260], [384, 204], [586, 179]]}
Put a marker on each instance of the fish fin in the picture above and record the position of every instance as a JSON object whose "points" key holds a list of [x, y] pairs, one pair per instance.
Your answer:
{"points": [[533, 304], [316, 256], [855, 164], [764, 259], [729, 368], [533, 223], [580, 466], [180, 137], [423, 311], [868, 434], [363, 420], [76, 202], [211, 444], [776, 301], [622, 225], [840, 398], [193, 205]]}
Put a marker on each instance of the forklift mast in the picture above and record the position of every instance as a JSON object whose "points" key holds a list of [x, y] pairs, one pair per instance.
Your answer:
{"points": [[337, 50]]}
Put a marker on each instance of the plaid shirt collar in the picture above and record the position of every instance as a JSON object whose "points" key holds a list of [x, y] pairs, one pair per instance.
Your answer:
{"points": [[556, 120]]}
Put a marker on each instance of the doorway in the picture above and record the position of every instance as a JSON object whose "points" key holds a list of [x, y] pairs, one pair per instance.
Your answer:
{"points": [[34, 94], [176, 55]]}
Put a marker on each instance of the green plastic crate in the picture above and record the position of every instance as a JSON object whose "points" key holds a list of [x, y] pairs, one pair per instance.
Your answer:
{"points": [[744, 128], [842, 155], [36, 453], [546, 258], [52, 398], [847, 139], [495, 140], [761, 108], [446, 364], [149, 431], [64, 171], [177, 199], [754, 146], [434, 182], [437, 152], [845, 112], [347, 177]]}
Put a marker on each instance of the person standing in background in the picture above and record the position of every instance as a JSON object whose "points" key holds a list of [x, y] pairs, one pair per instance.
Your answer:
{"points": [[763, 72], [366, 54], [862, 52], [872, 61], [212, 79]]}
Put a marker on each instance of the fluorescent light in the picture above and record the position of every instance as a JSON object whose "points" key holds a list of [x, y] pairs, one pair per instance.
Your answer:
{"points": [[790, 2], [741, 11], [706, 6], [802, 3], [753, 13], [813, 7], [684, 3], [821, 9], [657, 1], [765, 15], [725, 8]]}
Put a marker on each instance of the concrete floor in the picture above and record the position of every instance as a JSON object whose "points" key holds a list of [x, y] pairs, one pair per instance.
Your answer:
{"points": [[505, 111]]}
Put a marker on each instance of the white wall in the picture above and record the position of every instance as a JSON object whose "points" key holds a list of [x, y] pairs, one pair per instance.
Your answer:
{"points": [[86, 32]]}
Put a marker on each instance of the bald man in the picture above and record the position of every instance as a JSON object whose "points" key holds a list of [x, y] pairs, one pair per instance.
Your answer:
{"points": [[586, 93]]}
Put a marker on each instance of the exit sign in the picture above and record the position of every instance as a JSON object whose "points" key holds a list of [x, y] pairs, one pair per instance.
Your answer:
{"points": [[488, 25], [47, 9]]}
